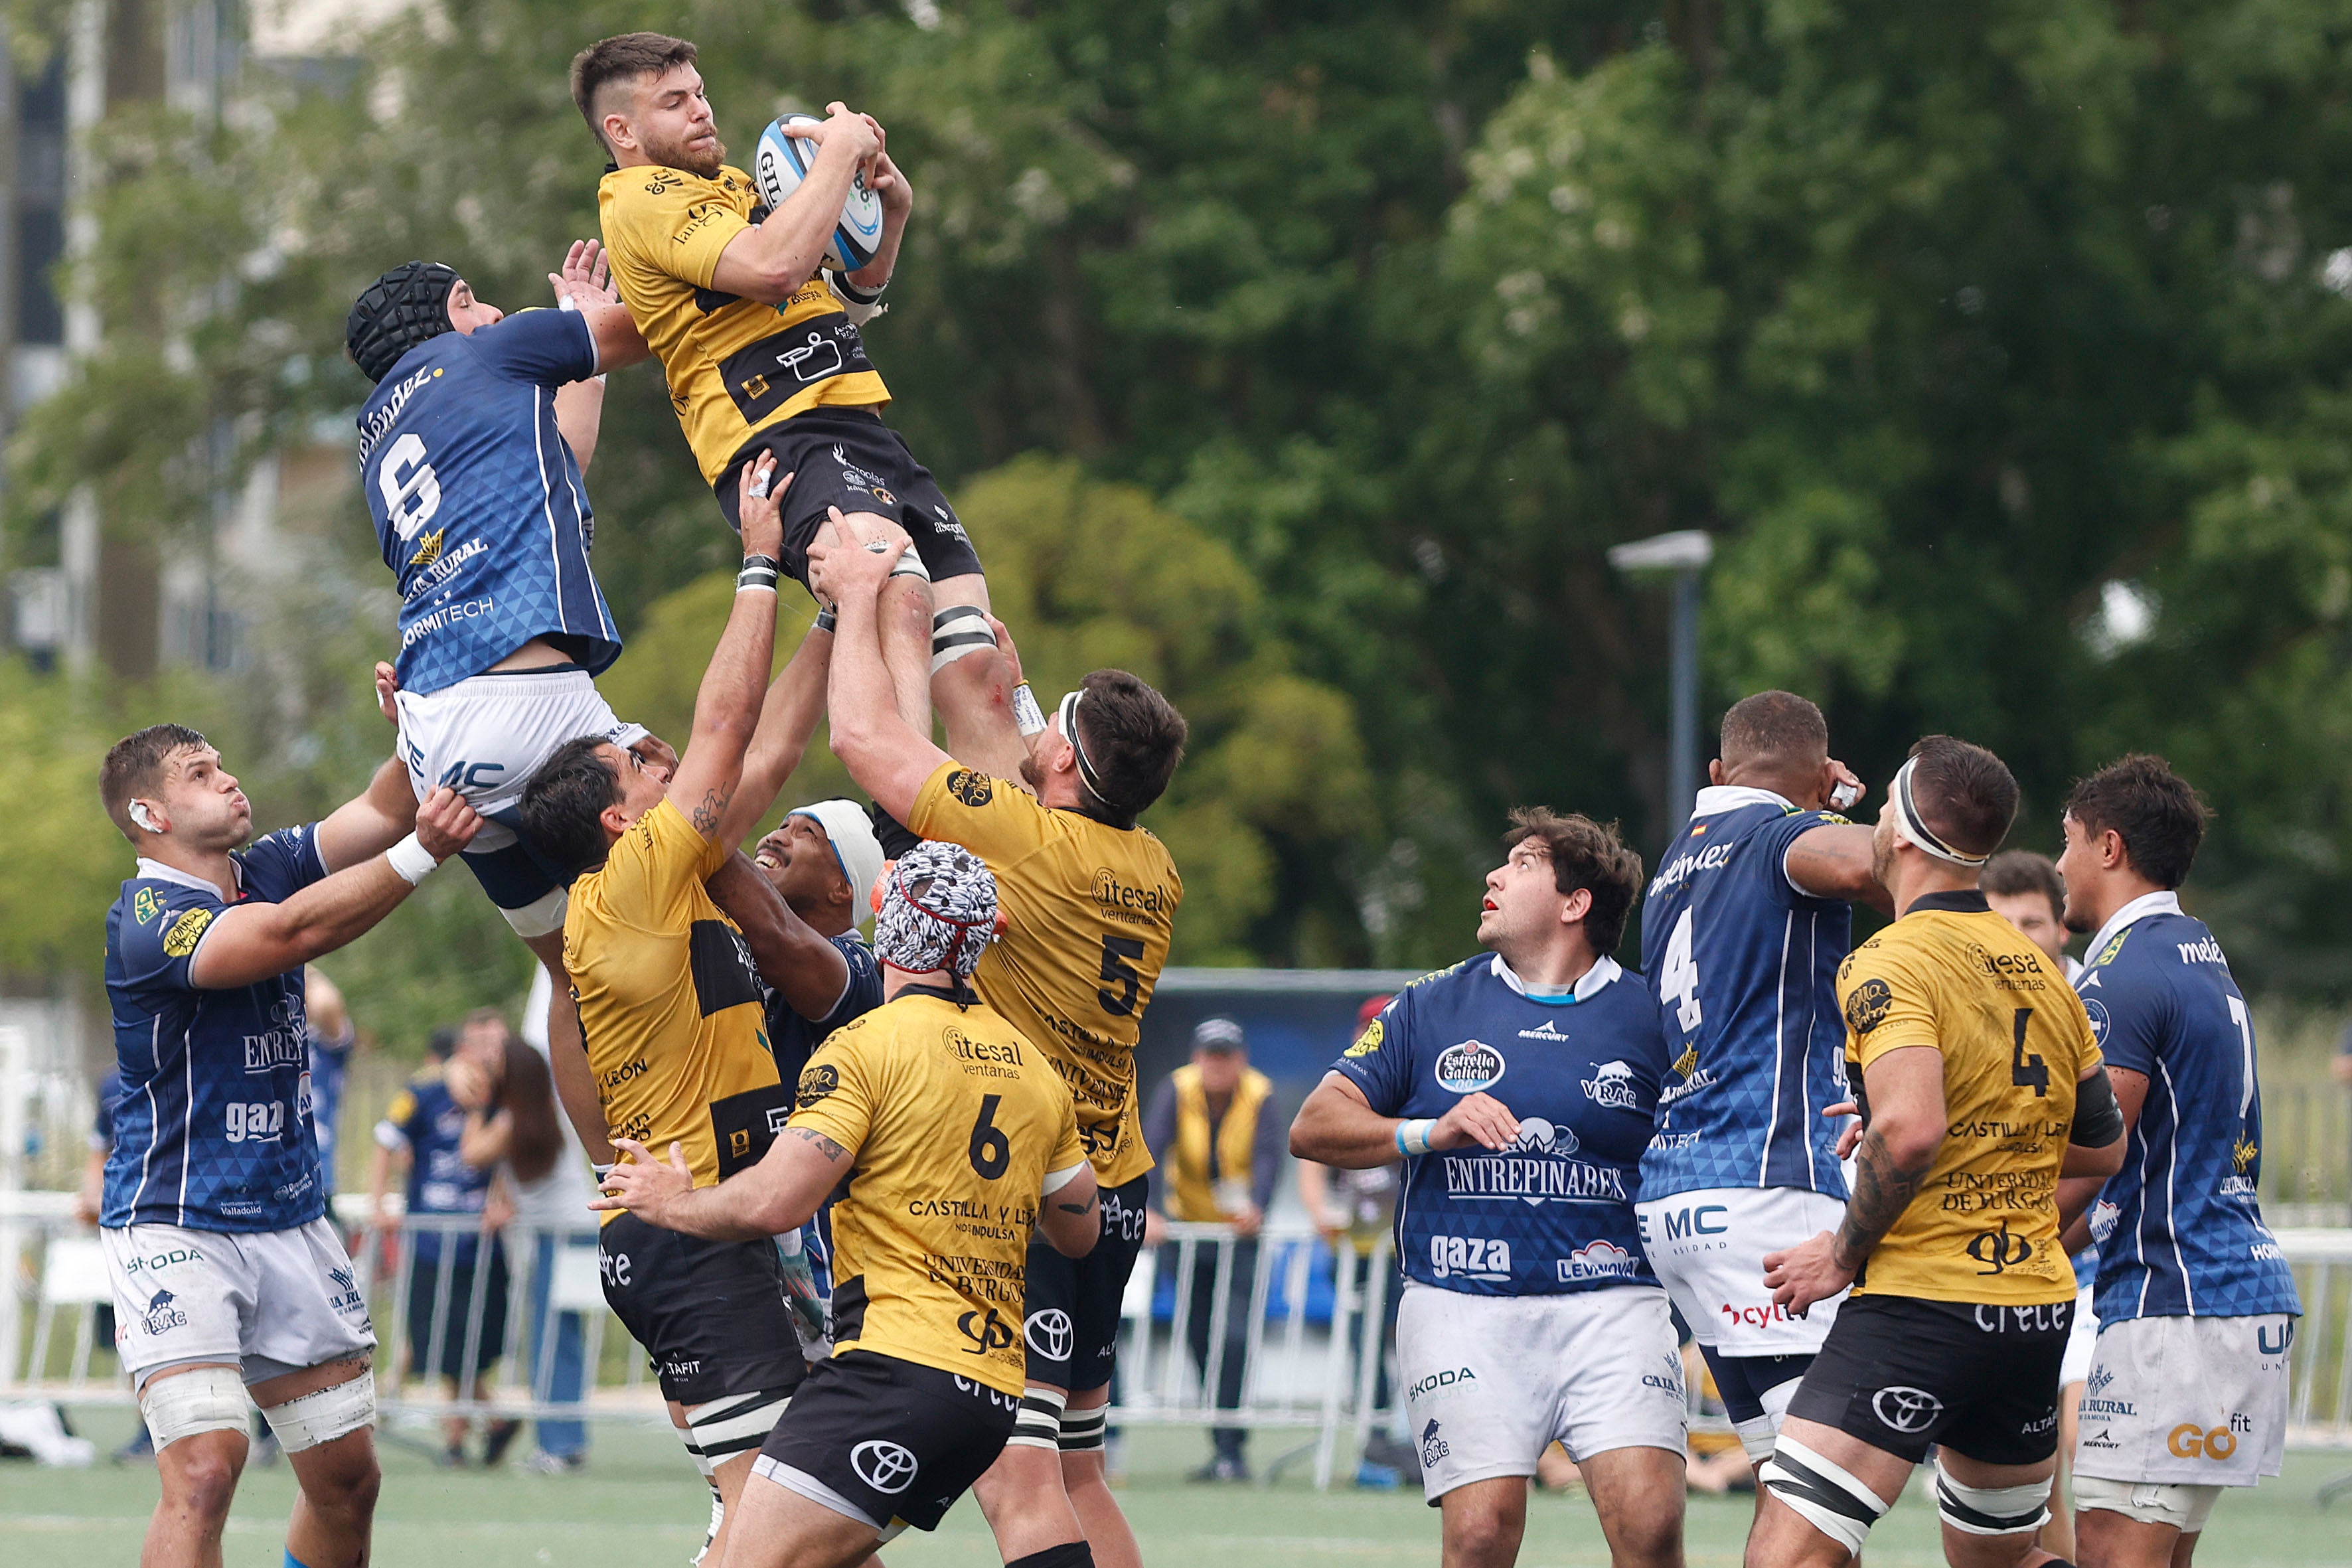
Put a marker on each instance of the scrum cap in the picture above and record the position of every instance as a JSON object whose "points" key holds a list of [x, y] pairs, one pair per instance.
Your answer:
{"points": [[939, 910], [405, 307]]}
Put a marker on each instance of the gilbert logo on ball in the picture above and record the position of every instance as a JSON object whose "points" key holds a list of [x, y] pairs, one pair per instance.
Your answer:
{"points": [[780, 163]]}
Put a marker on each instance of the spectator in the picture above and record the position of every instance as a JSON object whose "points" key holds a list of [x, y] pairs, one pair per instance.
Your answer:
{"points": [[1360, 1206], [447, 1129], [1219, 1144], [330, 1037], [554, 1205], [2343, 1058]]}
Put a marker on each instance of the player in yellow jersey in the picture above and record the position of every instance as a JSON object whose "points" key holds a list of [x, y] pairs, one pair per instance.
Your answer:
{"points": [[951, 1140], [1089, 901], [762, 353], [669, 1006], [1979, 1085]]}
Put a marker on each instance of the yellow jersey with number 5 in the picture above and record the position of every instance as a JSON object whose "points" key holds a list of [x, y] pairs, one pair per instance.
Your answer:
{"points": [[1960, 979], [1088, 910]]}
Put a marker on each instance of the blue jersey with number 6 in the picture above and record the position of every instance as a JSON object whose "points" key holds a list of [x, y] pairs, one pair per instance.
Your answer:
{"points": [[1553, 1213], [213, 1130], [480, 507], [1743, 966]]}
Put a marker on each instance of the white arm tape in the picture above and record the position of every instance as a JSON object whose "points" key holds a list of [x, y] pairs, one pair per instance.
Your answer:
{"points": [[411, 860], [1056, 1180]]}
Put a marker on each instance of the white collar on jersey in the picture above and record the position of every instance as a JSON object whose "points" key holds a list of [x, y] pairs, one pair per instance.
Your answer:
{"points": [[156, 871], [1602, 971], [2139, 909], [1714, 800]]}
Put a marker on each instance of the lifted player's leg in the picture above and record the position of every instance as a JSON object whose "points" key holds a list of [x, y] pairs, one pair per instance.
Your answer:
{"points": [[970, 682]]}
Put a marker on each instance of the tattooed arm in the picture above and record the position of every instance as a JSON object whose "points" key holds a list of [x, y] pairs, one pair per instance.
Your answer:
{"points": [[1903, 1091], [1070, 1217], [726, 708], [783, 1191]]}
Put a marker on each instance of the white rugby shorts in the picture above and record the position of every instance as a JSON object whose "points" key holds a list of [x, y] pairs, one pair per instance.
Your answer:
{"points": [[1492, 1381], [2082, 1341], [1708, 1248], [488, 734], [270, 1302], [2186, 1401]]}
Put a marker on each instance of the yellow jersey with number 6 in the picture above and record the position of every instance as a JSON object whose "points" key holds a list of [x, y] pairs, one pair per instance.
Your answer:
{"points": [[1088, 910], [952, 1122], [1960, 979]]}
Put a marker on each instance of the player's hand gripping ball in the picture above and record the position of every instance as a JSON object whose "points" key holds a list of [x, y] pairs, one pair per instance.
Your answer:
{"points": [[783, 160]]}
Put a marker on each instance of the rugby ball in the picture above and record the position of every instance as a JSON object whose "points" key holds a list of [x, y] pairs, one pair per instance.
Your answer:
{"points": [[778, 168]]}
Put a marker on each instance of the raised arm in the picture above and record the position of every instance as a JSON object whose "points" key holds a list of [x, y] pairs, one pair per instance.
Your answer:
{"points": [[767, 261], [1835, 863], [889, 760], [726, 708], [585, 285], [898, 198], [372, 822], [786, 949], [250, 942], [783, 1192], [795, 702]]}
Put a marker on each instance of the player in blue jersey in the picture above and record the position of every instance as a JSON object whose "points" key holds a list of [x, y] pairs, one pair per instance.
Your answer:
{"points": [[1745, 923], [330, 1036], [227, 1278], [2187, 1388], [1520, 1090], [471, 453]]}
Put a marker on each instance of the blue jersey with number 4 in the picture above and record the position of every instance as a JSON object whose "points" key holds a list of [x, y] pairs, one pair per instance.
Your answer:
{"points": [[1743, 967], [2179, 1230], [480, 507], [214, 1130], [1553, 1213]]}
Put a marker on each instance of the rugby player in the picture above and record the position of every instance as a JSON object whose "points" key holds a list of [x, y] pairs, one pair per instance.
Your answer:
{"points": [[471, 453], [1089, 898], [1745, 925], [670, 1004], [962, 1141], [2188, 1383], [1980, 1086], [227, 1277], [2025, 890], [1520, 1090], [763, 355]]}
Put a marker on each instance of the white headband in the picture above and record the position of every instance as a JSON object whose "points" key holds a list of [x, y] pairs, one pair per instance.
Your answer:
{"points": [[1911, 826]]}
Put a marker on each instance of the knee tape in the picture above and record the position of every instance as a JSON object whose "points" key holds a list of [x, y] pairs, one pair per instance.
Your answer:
{"points": [[2184, 1508], [324, 1415], [1083, 1431], [1039, 1423], [956, 631], [541, 916], [203, 1399], [736, 1425], [1825, 1495], [1991, 1511]]}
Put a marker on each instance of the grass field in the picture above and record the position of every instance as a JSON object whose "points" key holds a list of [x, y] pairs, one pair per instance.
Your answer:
{"points": [[640, 1504]]}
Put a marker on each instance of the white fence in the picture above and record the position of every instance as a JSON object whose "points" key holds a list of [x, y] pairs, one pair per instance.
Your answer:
{"points": [[1308, 1336]]}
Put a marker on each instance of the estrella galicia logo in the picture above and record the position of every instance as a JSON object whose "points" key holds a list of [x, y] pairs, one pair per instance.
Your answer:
{"points": [[886, 1466], [1866, 1008], [1467, 1068], [988, 1332], [1611, 1087], [975, 790], [1998, 1249], [1048, 1333], [1907, 1410], [817, 1082]]}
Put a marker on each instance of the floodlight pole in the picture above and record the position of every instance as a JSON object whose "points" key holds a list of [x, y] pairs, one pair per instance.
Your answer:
{"points": [[1686, 553]]}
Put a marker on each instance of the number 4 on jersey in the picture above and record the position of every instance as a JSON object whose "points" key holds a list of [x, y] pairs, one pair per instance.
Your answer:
{"points": [[1678, 978]]}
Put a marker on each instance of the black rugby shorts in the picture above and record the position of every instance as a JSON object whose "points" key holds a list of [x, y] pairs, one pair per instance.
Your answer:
{"points": [[893, 1439], [847, 458], [711, 1315], [1901, 1374], [1072, 1328]]}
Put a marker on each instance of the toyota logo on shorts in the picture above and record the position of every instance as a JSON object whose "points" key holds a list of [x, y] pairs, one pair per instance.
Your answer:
{"points": [[1048, 1333], [1907, 1409], [885, 1466]]}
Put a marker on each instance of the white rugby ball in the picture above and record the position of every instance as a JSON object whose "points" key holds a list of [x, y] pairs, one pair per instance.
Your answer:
{"points": [[778, 168]]}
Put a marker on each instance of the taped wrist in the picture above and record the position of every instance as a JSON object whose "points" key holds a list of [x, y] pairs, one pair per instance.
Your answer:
{"points": [[759, 572], [1027, 717], [957, 631], [1413, 1137], [1038, 1423], [410, 860], [1825, 1495], [1991, 1511]]}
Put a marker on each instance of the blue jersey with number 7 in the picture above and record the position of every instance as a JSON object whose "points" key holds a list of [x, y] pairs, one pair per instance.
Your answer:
{"points": [[1742, 965], [480, 507]]}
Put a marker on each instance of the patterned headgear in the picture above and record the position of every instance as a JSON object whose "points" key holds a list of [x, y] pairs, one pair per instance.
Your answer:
{"points": [[939, 910], [405, 307]]}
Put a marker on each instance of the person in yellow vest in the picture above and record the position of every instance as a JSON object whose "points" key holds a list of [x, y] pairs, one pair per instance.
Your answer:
{"points": [[1219, 1144]]}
